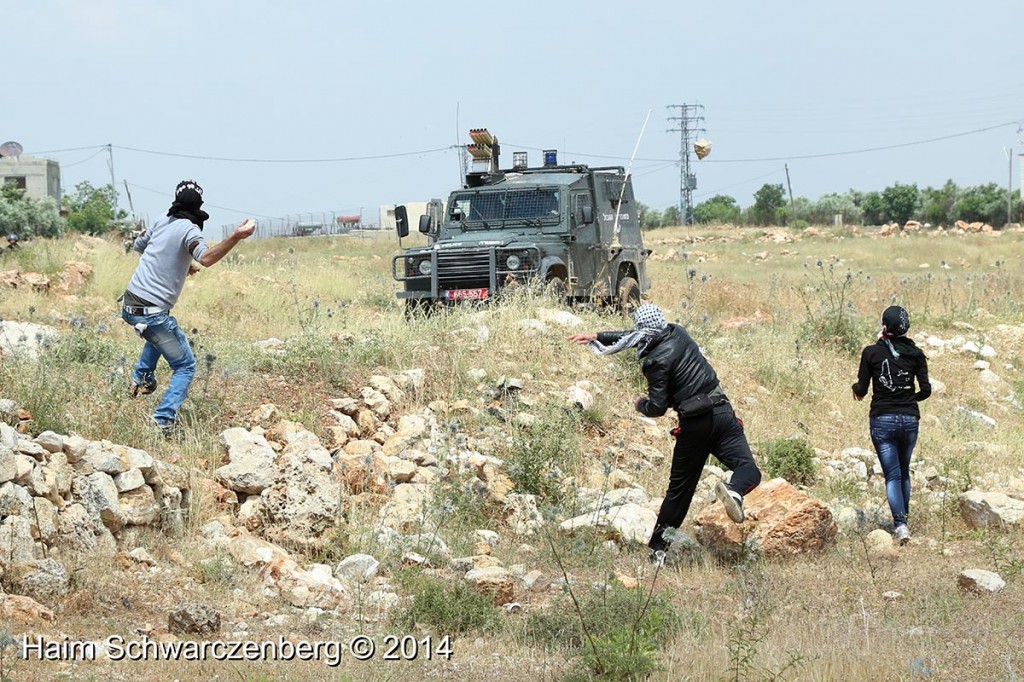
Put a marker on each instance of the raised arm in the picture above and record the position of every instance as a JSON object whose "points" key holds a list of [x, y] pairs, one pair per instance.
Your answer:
{"points": [[214, 253]]}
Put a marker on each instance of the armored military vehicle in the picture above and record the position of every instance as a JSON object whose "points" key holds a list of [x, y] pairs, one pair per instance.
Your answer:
{"points": [[573, 228]]}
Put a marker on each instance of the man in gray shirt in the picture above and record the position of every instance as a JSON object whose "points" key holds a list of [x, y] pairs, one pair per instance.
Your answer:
{"points": [[169, 251]]}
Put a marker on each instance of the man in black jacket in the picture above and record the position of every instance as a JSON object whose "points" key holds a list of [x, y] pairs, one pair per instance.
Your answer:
{"points": [[678, 376]]}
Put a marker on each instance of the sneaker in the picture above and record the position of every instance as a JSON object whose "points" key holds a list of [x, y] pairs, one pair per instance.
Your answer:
{"points": [[169, 430], [656, 557], [145, 388], [732, 501], [902, 534]]}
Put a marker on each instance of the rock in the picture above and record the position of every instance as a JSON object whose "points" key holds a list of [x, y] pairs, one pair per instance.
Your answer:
{"points": [[627, 523], [976, 416], [15, 500], [80, 534], [75, 448], [892, 595], [252, 551], [139, 506], [579, 398], [24, 611], [383, 599], [358, 567], [563, 318], [250, 468], [303, 501], [388, 387], [74, 277], [880, 544], [108, 458], [535, 581], [25, 338], [140, 555], [44, 522], [990, 510], [8, 462], [401, 470], [50, 441], [407, 509], [98, 495], [785, 522], [980, 582], [495, 581], [63, 474], [377, 402], [363, 472], [193, 619], [129, 480], [45, 580]]}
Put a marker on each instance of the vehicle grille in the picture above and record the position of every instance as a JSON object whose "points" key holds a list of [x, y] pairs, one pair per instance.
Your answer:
{"points": [[463, 269]]}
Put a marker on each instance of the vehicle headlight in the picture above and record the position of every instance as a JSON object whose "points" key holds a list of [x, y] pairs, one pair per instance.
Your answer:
{"points": [[513, 262], [425, 267]]}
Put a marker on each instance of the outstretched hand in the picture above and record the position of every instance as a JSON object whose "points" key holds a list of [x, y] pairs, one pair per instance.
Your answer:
{"points": [[245, 228], [583, 338]]}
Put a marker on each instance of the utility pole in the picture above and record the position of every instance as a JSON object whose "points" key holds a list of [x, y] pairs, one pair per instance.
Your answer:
{"points": [[688, 119], [113, 182], [1009, 185], [789, 185]]}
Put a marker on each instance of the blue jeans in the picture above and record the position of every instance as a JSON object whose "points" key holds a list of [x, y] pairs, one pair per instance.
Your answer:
{"points": [[163, 338], [894, 437]]}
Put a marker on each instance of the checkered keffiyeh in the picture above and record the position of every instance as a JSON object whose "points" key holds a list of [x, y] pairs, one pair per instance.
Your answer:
{"points": [[650, 322], [185, 185]]}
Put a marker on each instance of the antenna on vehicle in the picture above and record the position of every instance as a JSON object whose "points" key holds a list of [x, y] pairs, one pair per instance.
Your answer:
{"points": [[11, 149], [629, 168]]}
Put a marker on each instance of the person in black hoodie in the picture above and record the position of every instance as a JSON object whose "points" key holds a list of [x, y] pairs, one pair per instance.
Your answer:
{"points": [[891, 365], [678, 376]]}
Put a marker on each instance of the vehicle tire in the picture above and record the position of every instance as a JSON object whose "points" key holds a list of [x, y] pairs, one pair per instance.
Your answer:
{"points": [[555, 288], [629, 294], [417, 307]]}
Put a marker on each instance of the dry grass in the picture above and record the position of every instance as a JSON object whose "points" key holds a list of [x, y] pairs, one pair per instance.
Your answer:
{"points": [[333, 300]]}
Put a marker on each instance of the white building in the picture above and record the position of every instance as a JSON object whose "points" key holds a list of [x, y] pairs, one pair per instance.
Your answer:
{"points": [[39, 178], [414, 208]]}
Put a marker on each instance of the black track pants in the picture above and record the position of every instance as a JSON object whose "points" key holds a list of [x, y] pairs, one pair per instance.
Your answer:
{"points": [[718, 433]]}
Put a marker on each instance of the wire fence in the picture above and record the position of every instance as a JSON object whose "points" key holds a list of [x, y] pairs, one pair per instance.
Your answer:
{"points": [[307, 224]]}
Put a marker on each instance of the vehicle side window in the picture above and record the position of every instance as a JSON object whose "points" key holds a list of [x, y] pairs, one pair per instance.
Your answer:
{"points": [[579, 202]]}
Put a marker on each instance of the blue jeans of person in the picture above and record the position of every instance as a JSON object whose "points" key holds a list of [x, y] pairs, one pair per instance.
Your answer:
{"points": [[164, 338], [894, 437]]}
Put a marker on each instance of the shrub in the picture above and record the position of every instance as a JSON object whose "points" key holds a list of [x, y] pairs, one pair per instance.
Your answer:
{"points": [[801, 224], [829, 308], [446, 607], [626, 625], [790, 458], [540, 456]]}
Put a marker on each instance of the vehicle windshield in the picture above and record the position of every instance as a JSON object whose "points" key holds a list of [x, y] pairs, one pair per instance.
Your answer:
{"points": [[490, 207]]}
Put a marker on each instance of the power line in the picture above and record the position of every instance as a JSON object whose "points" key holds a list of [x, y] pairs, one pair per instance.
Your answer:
{"points": [[88, 158], [223, 208], [736, 184], [797, 157], [69, 149], [244, 160]]}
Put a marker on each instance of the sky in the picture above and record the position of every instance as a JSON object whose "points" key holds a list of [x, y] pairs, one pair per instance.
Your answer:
{"points": [[286, 82]]}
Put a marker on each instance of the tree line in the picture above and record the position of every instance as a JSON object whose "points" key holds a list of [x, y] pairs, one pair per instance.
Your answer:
{"points": [[87, 210], [897, 203]]}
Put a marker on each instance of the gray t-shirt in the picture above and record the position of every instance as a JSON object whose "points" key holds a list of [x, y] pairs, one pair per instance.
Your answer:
{"points": [[167, 248]]}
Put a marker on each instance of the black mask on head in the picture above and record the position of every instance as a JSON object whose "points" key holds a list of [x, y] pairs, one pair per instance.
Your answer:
{"points": [[188, 198]]}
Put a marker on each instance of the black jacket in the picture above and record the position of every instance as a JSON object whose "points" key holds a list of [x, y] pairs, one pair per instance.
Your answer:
{"points": [[892, 380], [675, 370]]}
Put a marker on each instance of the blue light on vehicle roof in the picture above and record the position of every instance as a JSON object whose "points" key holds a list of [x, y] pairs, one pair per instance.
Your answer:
{"points": [[550, 157]]}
